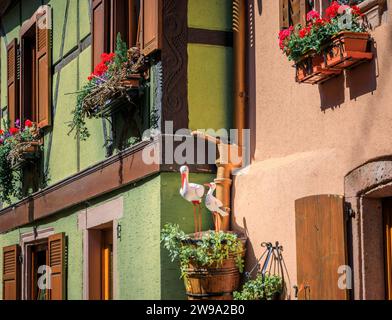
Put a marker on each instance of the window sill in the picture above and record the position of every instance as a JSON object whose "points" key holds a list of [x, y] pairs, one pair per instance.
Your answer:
{"points": [[375, 12]]}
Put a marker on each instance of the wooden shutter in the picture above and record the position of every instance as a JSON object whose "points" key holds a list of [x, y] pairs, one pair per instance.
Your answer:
{"points": [[298, 12], [44, 69], [387, 213], [284, 14], [151, 26], [100, 29], [56, 253], [119, 23], [12, 82], [133, 22], [11, 273], [321, 246]]}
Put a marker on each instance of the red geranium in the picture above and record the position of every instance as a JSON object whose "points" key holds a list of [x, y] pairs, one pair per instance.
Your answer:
{"points": [[312, 15], [14, 131], [283, 35], [102, 67], [304, 31], [28, 124], [333, 10], [356, 11], [1, 132]]}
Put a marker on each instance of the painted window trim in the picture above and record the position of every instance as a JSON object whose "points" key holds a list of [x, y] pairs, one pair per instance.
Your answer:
{"points": [[90, 218], [26, 239]]}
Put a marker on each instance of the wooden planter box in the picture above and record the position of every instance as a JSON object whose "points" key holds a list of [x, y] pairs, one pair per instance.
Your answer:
{"points": [[31, 153], [311, 70], [215, 282], [348, 49], [118, 102]]}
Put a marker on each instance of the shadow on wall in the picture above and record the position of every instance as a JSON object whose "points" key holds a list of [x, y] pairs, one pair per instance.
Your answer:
{"points": [[360, 80]]}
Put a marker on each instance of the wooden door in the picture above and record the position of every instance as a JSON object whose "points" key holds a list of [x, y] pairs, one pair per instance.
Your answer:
{"points": [[387, 213], [321, 247], [107, 264]]}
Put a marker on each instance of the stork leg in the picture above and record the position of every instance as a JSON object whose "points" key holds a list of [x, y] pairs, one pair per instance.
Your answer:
{"points": [[200, 224], [195, 220]]}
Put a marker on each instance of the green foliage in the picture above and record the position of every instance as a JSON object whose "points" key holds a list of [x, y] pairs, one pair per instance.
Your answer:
{"points": [[11, 149], [121, 52], [212, 248], [261, 289]]}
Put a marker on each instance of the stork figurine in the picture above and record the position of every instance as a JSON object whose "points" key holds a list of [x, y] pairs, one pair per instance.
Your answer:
{"points": [[215, 205], [193, 193]]}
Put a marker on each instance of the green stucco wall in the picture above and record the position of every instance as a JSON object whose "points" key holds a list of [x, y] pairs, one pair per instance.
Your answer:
{"points": [[144, 268], [210, 68]]}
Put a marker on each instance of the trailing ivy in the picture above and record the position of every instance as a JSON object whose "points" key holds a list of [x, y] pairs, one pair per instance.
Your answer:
{"points": [[212, 248]]}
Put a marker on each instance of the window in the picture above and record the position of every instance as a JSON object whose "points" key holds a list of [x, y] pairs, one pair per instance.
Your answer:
{"points": [[29, 71], [38, 250], [138, 22]]}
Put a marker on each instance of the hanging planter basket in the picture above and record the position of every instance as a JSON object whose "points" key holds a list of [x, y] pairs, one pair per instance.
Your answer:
{"points": [[311, 70], [31, 153], [131, 92], [347, 50]]}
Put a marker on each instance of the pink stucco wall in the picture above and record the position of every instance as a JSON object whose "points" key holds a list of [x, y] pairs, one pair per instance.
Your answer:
{"points": [[307, 138]]}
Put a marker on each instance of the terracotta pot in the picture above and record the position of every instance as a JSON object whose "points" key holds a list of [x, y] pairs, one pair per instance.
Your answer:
{"points": [[132, 81], [347, 49], [310, 70]]}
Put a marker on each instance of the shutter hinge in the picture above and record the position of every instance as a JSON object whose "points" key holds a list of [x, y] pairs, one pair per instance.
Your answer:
{"points": [[20, 259], [349, 212]]}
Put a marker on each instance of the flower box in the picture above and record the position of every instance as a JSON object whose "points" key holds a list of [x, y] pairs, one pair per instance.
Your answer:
{"points": [[310, 70], [30, 153], [348, 49], [123, 98]]}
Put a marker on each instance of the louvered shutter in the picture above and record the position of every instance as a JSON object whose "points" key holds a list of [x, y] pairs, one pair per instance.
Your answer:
{"points": [[100, 30], [284, 14], [12, 82], [298, 12], [151, 26], [11, 273], [44, 66], [321, 247], [56, 253], [133, 22], [119, 23]]}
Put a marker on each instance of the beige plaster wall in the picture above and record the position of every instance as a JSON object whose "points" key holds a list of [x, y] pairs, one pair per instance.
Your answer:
{"points": [[307, 138]]}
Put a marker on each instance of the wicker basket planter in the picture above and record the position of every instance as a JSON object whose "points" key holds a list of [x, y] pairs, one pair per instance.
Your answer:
{"points": [[31, 153]]}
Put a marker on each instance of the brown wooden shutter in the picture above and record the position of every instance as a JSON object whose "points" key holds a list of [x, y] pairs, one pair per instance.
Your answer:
{"points": [[387, 213], [298, 10], [151, 26], [321, 246], [100, 29], [12, 82], [44, 69], [284, 14], [119, 23], [56, 253], [133, 22], [11, 273]]}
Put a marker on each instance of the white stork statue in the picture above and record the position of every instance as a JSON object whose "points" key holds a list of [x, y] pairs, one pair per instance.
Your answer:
{"points": [[215, 205], [193, 193]]}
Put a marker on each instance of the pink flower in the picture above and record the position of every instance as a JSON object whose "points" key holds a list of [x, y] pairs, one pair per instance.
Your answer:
{"points": [[312, 15]]}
